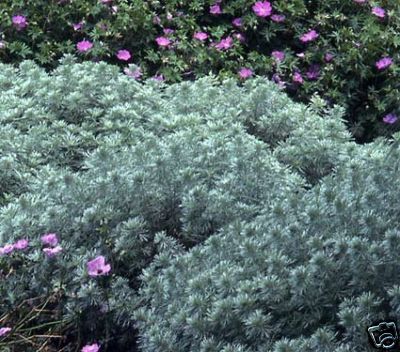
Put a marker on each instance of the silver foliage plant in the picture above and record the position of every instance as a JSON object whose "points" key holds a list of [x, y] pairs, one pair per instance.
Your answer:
{"points": [[233, 219]]}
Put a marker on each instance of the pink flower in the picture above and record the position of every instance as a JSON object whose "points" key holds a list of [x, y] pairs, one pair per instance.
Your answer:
{"points": [[123, 55], [378, 11], [215, 9], [262, 8], [224, 43], [168, 31], [156, 20], [390, 118], [137, 74], [309, 36], [19, 22], [245, 72], [237, 22], [50, 239], [278, 81], [200, 36], [102, 26], [383, 63], [84, 45], [91, 348], [297, 77], [240, 37], [278, 18], [98, 266], [313, 72], [163, 41], [278, 55], [51, 252], [21, 244], [77, 26], [4, 331], [159, 77], [7, 249], [169, 16], [328, 57]]}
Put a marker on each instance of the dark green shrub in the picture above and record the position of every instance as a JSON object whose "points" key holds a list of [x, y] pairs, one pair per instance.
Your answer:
{"points": [[353, 37]]}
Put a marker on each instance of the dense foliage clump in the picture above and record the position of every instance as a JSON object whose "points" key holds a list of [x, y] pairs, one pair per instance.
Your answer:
{"points": [[343, 50], [196, 216], [310, 273]]}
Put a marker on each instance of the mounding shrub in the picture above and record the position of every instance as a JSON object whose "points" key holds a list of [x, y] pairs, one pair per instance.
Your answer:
{"points": [[311, 273], [56, 118], [139, 162]]}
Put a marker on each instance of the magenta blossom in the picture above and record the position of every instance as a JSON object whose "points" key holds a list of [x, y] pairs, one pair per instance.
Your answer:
{"points": [[77, 26], [390, 118], [51, 252], [98, 266], [278, 55], [383, 63], [21, 244], [278, 81], [91, 348], [215, 9], [278, 18], [378, 11], [237, 22], [245, 73], [224, 43], [313, 72], [159, 77], [328, 57], [19, 22], [84, 45], [309, 36], [123, 55], [262, 8], [200, 36], [163, 41], [50, 239], [240, 37], [137, 74], [169, 16], [102, 26], [297, 78], [156, 20], [7, 249], [4, 331], [168, 31]]}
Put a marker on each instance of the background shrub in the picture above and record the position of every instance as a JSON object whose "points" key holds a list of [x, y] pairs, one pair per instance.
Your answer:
{"points": [[352, 35]]}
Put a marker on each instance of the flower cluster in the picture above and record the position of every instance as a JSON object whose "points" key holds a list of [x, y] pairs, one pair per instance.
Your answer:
{"points": [[51, 240], [19, 245]]}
